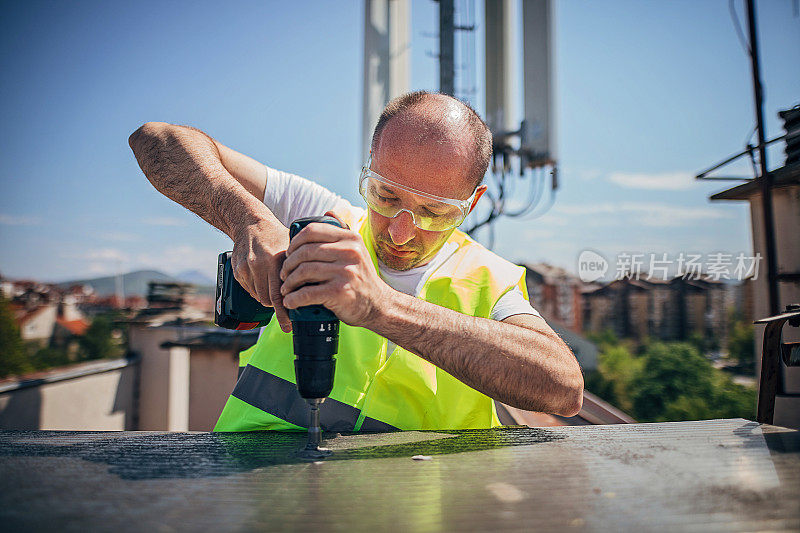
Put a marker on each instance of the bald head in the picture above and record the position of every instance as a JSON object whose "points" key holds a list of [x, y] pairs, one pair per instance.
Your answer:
{"points": [[438, 119]]}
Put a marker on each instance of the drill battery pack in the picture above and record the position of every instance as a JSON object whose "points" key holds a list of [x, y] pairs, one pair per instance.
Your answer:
{"points": [[234, 308]]}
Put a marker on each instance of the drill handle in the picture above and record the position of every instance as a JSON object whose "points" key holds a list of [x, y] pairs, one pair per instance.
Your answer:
{"points": [[311, 313]]}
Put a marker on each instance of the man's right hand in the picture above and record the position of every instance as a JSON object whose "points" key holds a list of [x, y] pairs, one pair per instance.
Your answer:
{"points": [[226, 189], [259, 250]]}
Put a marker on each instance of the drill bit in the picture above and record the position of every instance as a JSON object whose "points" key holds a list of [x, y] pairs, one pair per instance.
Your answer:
{"points": [[313, 450]]}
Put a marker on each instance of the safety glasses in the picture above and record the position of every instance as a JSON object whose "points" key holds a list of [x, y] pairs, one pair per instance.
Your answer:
{"points": [[428, 212]]}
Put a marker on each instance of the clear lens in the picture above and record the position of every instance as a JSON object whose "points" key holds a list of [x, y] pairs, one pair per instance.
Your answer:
{"points": [[389, 200]]}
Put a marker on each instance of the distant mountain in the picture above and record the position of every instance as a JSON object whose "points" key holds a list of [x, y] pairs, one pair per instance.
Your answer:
{"points": [[196, 277], [135, 283]]}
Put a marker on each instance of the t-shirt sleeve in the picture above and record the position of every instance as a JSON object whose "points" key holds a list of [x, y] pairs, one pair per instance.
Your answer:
{"points": [[290, 197], [512, 303]]}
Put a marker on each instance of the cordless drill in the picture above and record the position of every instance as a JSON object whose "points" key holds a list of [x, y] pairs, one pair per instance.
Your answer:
{"points": [[315, 333]]}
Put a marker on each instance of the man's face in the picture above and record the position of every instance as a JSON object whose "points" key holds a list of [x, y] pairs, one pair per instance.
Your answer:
{"points": [[438, 169]]}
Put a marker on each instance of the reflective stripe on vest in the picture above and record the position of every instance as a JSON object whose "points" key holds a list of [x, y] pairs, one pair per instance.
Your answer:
{"points": [[280, 398], [374, 390]]}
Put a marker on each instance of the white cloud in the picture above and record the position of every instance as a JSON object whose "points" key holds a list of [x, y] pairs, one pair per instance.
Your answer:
{"points": [[120, 236], [661, 181], [19, 220], [663, 215], [537, 233], [587, 174], [105, 254], [550, 219], [100, 269], [179, 258], [163, 221], [588, 209], [169, 259], [570, 172], [643, 213], [98, 261]]}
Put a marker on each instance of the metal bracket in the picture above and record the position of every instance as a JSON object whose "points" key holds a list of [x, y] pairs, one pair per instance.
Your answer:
{"points": [[772, 352]]}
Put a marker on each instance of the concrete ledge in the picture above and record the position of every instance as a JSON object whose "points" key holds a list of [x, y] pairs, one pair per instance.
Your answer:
{"points": [[65, 373]]}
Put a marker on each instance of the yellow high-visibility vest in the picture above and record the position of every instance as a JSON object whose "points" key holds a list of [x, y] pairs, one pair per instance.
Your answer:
{"points": [[373, 390]]}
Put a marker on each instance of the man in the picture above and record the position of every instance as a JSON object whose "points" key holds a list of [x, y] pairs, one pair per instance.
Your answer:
{"points": [[435, 325]]}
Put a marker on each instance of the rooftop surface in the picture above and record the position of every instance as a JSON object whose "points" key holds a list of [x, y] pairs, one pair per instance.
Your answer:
{"points": [[725, 475]]}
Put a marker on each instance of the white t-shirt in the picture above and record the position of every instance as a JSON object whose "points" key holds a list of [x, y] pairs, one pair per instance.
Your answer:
{"points": [[290, 197]]}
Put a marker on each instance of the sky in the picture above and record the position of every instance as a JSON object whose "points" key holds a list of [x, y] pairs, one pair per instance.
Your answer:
{"points": [[648, 94]]}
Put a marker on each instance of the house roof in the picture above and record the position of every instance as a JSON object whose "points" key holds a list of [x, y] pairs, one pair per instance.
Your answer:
{"points": [[782, 177], [551, 273], [617, 284], [76, 327], [23, 315], [702, 282]]}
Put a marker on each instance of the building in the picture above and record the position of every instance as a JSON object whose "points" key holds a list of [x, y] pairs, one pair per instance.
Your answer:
{"points": [[45, 313], [678, 309], [159, 385], [36, 323], [702, 306], [786, 218], [177, 377], [556, 294]]}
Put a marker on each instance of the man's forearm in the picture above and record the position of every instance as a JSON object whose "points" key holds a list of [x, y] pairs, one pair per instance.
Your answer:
{"points": [[515, 365], [184, 165]]}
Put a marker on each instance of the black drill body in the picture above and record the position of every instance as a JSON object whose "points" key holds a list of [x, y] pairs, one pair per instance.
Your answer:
{"points": [[315, 334], [315, 338]]}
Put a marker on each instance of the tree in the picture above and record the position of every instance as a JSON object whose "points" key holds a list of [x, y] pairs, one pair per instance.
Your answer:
{"points": [[603, 338], [13, 359], [667, 381], [731, 400], [96, 343], [741, 346], [687, 408], [622, 369], [671, 371], [697, 340], [618, 368], [48, 357]]}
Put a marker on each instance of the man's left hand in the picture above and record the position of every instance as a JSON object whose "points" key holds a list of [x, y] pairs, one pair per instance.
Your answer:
{"points": [[337, 263]]}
